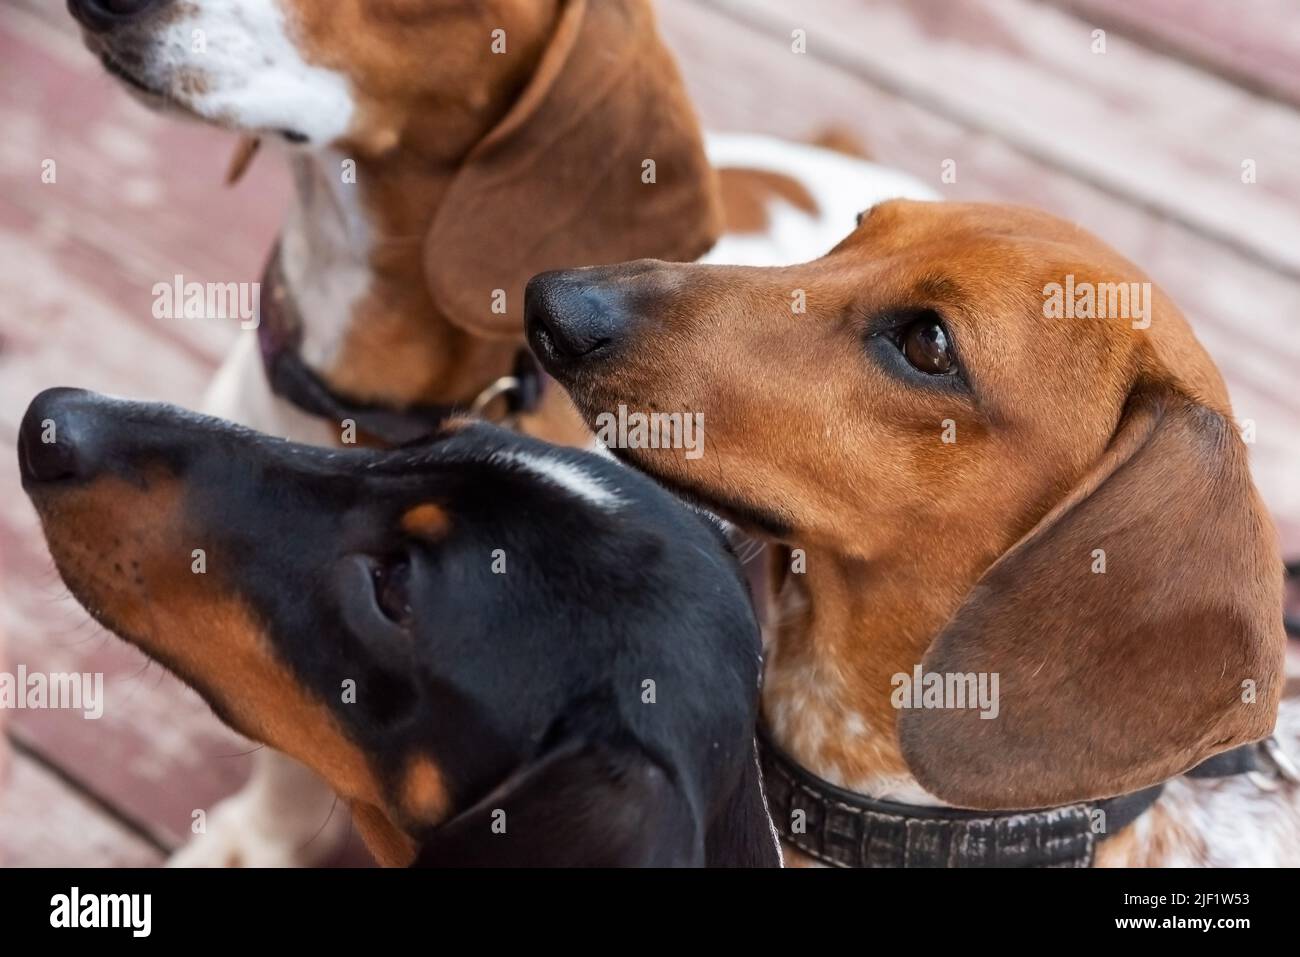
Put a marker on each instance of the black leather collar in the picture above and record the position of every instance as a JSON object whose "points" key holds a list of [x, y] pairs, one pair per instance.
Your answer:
{"points": [[845, 829], [280, 336]]}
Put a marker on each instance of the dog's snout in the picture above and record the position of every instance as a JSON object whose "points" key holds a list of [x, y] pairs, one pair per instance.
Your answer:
{"points": [[56, 437], [103, 15], [570, 316]]}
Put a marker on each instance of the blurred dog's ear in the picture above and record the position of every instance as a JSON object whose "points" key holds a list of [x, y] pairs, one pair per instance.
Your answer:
{"points": [[583, 805], [599, 161], [1135, 631]]}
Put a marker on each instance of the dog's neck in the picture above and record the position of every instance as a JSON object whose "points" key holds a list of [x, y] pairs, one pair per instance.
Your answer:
{"points": [[352, 250], [838, 634], [839, 631], [325, 246]]}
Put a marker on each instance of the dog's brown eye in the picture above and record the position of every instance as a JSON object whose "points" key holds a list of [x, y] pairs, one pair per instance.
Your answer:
{"points": [[392, 590], [926, 346]]}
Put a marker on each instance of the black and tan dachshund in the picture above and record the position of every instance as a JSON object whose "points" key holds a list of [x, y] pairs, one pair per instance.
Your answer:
{"points": [[497, 651]]}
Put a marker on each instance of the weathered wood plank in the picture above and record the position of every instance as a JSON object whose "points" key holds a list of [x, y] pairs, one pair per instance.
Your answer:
{"points": [[157, 752], [746, 78], [1254, 44], [1143, 127], [138, 199], [54, 16], [45, 823]]}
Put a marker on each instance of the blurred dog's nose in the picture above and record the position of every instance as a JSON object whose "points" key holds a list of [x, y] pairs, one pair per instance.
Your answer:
{"points": [[55, 437], [571, 315], [101, 15]]}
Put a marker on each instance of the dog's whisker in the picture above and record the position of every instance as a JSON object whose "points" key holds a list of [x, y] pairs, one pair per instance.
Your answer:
{"points": [[239, 754], [324, 824]]}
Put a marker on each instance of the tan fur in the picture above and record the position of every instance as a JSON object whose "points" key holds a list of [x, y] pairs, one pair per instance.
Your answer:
{"points": [[748, 196], [125, 552], [427, 521], [841, 140], [424, 793], [390, 846]]}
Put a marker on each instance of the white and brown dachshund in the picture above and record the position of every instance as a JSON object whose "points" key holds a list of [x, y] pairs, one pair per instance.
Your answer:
{"points": [[969, 480]]}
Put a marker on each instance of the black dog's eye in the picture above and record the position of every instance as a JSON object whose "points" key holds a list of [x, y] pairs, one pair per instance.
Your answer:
{"points": [[392, 581], [925, 345]]}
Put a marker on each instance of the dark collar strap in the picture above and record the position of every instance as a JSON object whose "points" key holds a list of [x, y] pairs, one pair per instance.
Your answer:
{"points": [[280, 335], [1243, 760], [844, 829]]}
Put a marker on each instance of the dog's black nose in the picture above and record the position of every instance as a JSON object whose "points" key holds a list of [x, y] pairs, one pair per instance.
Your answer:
{"points": [[55, 435], [572, 315], [102, 15]]}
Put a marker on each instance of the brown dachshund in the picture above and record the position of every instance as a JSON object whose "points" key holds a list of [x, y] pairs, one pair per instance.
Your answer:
{"points": [[996, 460]]}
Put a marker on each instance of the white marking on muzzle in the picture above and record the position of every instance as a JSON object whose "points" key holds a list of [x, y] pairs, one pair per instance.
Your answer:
{"points": [[238, 63]]}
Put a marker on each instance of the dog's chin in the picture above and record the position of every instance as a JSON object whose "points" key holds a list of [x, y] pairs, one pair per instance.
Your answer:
{"points": [[132, 82], [92, 594], [144, 92], [112, 599], [108, 604], [748, 517], [168, 105], [154, 96]]}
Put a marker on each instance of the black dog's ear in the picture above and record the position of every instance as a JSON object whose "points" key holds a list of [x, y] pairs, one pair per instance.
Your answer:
{"points": [[582, 805]]}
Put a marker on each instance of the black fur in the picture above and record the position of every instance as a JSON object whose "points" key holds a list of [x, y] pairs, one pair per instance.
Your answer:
{"points": [[524, 688]]}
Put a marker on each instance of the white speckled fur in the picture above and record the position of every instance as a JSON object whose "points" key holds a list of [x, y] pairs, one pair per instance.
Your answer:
{"points": [[1221, 822]]}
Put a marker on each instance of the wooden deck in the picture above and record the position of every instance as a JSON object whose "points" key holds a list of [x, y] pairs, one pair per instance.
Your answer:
{"points": [[1143, 144]]}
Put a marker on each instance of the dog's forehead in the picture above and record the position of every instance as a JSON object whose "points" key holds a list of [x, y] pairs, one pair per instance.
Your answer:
{"points": [[966, 232], [379, 32], [1031, 274], [355, 23], [396, 12]]}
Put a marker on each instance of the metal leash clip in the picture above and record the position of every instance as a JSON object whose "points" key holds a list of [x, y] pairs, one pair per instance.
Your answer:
{"points": [[1281, 761], [502, 386]]}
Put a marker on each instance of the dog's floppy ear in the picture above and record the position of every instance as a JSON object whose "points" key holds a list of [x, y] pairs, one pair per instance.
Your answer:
{"points": [[581, 805], [1116, 676], [560, 181]]}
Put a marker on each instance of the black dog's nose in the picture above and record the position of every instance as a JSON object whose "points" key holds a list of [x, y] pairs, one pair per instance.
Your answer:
{"points": [[101, 15], [571, 315], [55, 436]]}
